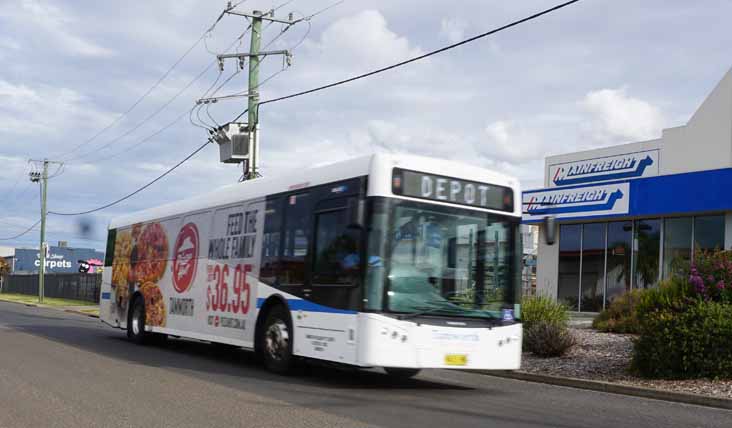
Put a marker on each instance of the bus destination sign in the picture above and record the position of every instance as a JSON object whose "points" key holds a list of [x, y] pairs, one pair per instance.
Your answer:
{"points": [[452, 190]]}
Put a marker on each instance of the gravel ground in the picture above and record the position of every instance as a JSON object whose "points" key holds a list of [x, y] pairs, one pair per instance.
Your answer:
{"points": [[606, 357]]}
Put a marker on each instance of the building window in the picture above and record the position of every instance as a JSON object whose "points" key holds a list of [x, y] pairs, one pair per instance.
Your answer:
{"points": [[619, 241], [593, 267], [646, 254], [708, 232], [570, 238], [676, 244], [600, 261]]}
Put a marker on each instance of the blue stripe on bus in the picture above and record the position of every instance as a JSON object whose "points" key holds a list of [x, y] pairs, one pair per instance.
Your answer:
{"points": [[106, 295], [304, 305]]}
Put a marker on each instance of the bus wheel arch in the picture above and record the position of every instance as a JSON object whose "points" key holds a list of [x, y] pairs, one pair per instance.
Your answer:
{"points": [[136, 327], [274, 320]]}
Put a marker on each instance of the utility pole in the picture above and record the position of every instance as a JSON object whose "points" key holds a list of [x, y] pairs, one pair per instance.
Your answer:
{"points": [[253, 91], [42, 177], [225, 134]]}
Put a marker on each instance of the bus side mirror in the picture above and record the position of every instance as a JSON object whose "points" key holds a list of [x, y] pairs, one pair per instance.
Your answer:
{"points": [[550, 229]]}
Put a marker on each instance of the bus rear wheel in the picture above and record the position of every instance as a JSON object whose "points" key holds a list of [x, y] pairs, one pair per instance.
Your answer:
{"points": [[401, 373], [136, 322], [276, 341]]}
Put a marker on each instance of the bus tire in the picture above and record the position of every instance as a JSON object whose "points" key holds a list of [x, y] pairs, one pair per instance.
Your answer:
{"points": [[401, 373], [276, 340], [136, 322]]}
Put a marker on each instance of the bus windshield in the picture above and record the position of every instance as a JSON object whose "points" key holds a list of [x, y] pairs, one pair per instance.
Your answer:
{"points": [[433, 259]]}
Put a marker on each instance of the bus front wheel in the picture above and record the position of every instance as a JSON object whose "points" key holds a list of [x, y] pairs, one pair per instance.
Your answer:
{"points": [[401, 373], [277, 341]]}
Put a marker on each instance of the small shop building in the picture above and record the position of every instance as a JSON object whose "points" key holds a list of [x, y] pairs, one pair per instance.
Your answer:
{"points": [[626, 217]]}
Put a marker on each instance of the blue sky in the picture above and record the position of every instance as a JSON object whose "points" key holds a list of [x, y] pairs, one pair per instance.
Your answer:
{"points": [[594, 74]]}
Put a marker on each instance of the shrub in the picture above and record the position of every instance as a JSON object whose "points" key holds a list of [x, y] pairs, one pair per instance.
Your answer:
{"points": [[674, 294], [537, 309], [688, 341], [621, 315], [710, 275], [548, 339]]}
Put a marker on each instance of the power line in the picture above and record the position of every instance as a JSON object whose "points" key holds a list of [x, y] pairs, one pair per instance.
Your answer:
{"points": [[153, 87], [136, 191], [420, 57], [311, 16], [150, 117], [144, 140], [22, 233]]}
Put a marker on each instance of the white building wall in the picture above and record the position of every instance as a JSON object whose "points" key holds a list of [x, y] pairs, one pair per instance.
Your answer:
{"points": [[547, 266], [706, 141]]}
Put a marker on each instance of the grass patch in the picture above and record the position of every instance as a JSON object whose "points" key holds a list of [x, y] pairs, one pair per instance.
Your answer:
{"points": [[48, 301]]}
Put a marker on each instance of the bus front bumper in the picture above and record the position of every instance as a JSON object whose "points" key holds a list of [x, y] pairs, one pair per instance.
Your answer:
{"points": [[389, 342]]}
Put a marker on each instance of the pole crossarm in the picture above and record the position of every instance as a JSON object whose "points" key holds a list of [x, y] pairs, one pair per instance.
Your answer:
{"points": [[265, 17], [251, 54], [214, 100]]}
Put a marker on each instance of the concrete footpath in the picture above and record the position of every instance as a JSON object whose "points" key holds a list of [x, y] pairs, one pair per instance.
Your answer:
{"points": [[616, 388], [86, 310]]}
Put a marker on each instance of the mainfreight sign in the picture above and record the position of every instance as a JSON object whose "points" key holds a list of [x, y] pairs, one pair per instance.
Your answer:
{"points": [[579, 201], [620, 167]]}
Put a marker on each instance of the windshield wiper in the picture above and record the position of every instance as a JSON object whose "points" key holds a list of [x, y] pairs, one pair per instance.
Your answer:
{"points": [[485, 314], [449, 311]]}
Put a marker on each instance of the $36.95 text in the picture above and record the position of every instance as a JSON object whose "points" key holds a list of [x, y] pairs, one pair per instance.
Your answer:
{"points": [[218, 297]]}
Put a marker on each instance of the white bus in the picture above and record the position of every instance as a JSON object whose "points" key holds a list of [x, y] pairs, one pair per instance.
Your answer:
{"points": [[389, 261]]}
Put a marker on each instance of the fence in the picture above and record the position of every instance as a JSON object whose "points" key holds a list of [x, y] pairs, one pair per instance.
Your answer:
{"points": [[76, 286]]}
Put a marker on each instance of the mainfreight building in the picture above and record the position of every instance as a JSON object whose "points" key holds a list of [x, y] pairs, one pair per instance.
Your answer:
{"points": [[627, 216]]}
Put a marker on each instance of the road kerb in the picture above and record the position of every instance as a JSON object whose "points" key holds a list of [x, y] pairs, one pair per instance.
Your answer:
{"points": [[72, 311], [61, 308], [614, 388]]}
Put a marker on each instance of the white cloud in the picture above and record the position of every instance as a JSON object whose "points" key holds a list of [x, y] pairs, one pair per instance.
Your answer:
{"points": [[45, 110], [617, 117], [453, 29], [56, 24], [364, 40], [152, 167], [9, 44], [509, 142]]}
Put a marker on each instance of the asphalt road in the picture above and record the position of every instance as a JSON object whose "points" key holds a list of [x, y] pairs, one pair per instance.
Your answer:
{"points": [[64, 370]]}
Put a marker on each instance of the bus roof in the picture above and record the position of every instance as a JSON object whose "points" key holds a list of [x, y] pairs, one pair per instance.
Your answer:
{"points": [[313, 176]]}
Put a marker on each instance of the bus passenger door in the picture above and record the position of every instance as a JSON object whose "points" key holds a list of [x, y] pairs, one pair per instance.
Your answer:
{"points": [[334, 281]]}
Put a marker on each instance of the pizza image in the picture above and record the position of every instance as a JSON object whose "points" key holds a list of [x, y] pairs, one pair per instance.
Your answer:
{"points": [[149, 256], [154, 304], [136, 231], [121, 266]]}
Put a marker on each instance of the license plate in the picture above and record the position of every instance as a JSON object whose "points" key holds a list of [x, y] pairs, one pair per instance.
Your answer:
{"points": [[456, 360]]}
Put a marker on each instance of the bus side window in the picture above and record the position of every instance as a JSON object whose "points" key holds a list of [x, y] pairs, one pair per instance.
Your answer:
{"points": [[337, 249], [109, 254], [296, 240], [271, 241]]}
